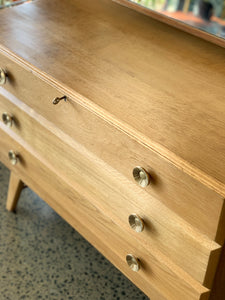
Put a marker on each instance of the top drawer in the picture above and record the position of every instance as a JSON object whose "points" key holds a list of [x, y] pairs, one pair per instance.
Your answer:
{"points": [[187, 197]]}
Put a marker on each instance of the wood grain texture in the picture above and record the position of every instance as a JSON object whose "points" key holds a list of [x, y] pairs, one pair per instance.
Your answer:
{"points": [[180, 192], [156, 98], [173, 22], [14, 190], [159, 278], [103, 56], [115, 195]]}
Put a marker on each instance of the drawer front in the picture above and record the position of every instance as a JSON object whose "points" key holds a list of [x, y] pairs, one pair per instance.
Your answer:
{"points": [[158, 277], [194, 202], [115, 194]]}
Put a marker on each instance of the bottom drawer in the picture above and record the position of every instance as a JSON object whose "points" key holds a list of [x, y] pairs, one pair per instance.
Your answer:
{"points": [[158, 277]]}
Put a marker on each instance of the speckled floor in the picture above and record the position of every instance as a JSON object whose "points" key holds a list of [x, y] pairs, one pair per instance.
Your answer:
{"points": [[42, 257]]}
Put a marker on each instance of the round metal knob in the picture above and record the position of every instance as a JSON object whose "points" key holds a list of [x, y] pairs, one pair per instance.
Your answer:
{"points": [[133, 262], [13, 157], [141, 176], [136, 223], [7, 119], [2, 76]]}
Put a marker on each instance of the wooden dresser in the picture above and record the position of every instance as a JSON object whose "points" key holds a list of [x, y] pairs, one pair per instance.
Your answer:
{"points": [[118, 122]]}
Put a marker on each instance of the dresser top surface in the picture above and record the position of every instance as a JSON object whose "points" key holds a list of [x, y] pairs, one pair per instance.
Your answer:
{"points": [[164, 84]]}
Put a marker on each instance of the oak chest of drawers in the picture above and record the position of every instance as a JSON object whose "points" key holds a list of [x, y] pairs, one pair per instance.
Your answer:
{"points": [[129, 154]]}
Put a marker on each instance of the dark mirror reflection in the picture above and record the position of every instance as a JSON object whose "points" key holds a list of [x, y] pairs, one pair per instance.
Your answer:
{"points": [[207, 15]]}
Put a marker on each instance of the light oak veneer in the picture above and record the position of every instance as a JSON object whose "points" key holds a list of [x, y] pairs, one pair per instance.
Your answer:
{"points": [[115, 195], [177, 190], [173, 22], [138, 93], [120, 60], [166, 279]]}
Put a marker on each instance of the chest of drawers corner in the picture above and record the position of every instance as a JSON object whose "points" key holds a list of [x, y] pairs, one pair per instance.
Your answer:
{"points": [[163, 228]]}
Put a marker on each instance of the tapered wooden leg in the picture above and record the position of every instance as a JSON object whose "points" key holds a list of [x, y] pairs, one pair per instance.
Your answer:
{"points": [[14, 190]]}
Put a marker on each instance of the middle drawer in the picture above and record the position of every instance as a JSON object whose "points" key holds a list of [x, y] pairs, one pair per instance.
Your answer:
{"points": [[114, 194]]}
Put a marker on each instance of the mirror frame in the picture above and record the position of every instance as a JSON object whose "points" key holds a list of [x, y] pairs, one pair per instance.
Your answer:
{"points": [[173, 22]]}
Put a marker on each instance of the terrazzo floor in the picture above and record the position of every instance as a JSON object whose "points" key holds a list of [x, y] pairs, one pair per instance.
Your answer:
{"points": [[42, 257]]}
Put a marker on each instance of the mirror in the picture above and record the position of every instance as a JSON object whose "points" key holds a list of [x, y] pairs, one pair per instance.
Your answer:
{"points": [[204, 18], [8, 3]]}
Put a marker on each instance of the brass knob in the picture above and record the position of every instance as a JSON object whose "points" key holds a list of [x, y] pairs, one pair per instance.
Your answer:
{"points": [[58, 99], [136, 223], [13, 157], [7, 119], [3, 76], [133, 262], [141, 176]]}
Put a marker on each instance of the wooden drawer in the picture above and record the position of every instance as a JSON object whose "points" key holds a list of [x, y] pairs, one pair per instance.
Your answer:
{"points": [[158, 277], [114, 194], [194, 202]]}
